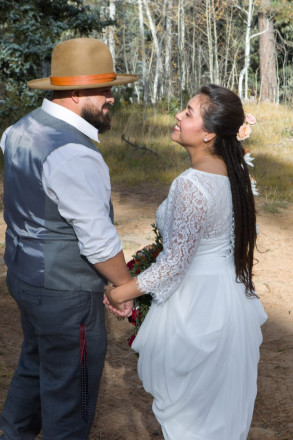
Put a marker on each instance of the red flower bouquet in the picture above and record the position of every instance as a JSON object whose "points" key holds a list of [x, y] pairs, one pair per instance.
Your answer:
{"points": [[140, 262]]}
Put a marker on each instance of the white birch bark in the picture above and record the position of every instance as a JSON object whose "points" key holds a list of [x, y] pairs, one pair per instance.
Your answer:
{"points": [[142, 45], [124, 41], [168, 48], [157, 50], [181, 38], [193, 56], [215, 51], [244, 71], [210, 39], [111, 31]]}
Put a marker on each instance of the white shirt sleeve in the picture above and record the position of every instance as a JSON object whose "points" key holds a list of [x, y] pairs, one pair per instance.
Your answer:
{"points": [[3, 138], [77, 179]]}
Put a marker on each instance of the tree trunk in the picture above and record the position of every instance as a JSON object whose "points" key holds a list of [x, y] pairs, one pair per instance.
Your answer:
{"points": [[267, 55], [210, 39], [181, 37], [111, 30], [228, 34], [143, 61], [157, 51], [193, 55], [216, 60], [244, 71], [168, 54]]}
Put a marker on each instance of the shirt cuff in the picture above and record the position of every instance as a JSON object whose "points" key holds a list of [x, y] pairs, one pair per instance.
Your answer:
{"points": [[110, 251]]}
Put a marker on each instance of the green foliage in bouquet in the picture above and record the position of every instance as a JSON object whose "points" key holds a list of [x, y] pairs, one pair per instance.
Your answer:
{"points": [[140, 262]]}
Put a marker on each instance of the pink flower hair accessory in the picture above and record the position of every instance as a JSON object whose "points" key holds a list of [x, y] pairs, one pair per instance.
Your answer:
{"points": [[245, 129], [250, 119]]}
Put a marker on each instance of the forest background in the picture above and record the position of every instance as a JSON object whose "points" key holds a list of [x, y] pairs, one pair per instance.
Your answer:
{"points": [[174, 46]]}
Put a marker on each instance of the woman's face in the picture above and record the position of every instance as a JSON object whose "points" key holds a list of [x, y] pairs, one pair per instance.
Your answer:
{"points": [[189, 130]]}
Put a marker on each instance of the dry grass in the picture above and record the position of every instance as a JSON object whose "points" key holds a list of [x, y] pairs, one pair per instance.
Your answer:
{"points": [[134, 166], [271, 144]]}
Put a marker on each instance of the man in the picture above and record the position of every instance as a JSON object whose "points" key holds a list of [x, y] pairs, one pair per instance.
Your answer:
{"points": [[61, 245]]}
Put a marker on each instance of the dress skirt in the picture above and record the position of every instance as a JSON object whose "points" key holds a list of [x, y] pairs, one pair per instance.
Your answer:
{"points": [[199, 352]]}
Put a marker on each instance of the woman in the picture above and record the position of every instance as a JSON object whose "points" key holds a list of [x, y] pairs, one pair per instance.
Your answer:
{"points": [[199, 344]]}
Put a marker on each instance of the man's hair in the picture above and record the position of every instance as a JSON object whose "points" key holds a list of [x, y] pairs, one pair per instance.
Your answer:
{"points": [[60, 94]]}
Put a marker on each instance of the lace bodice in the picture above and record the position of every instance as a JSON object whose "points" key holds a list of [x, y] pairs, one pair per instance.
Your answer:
{"points": [[196, 215]]}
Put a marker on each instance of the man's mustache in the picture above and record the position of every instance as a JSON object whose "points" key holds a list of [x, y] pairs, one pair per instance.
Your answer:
{"points": [[108, 105]]}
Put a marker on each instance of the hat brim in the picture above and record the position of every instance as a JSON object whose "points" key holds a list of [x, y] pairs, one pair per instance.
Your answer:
{"points": [[45, 84]]}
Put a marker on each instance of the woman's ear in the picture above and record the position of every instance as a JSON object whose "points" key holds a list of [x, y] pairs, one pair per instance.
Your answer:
{"points": [[209, 137]]}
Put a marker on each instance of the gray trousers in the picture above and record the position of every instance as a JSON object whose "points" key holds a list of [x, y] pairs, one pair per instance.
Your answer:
{"points": [[45, 391]]}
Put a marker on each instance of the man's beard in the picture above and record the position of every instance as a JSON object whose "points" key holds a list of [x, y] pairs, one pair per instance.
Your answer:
{"points": [[97, 118]]}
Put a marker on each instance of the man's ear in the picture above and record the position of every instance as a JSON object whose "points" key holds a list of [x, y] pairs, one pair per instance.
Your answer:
{"points": [[75, 96]]}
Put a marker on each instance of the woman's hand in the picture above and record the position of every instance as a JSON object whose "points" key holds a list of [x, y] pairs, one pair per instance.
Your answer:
{"points": [[120, 309], [120, 297]]}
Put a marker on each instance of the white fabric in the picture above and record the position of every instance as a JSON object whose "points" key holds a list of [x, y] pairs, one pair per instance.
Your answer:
{"points": [[199, 344], [77, 180], [3, 138]]}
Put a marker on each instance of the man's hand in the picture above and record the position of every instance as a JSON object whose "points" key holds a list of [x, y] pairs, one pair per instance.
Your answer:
{"points": [[128, 306]]}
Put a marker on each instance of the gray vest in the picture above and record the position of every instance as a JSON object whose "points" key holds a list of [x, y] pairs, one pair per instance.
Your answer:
{"points": [[41, 247]]}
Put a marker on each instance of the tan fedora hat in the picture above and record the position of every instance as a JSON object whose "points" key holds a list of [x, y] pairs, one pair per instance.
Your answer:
{"points": [[81, 63]]}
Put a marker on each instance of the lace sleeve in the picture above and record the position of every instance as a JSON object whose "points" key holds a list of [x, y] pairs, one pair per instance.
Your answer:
{"points": [[184, 225]]}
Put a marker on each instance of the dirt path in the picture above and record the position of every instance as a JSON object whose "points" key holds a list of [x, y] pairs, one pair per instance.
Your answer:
{"points": [[124, 409]]}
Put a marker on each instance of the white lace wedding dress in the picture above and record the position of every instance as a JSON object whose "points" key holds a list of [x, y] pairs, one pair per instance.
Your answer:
{"points": [[199, 344]]}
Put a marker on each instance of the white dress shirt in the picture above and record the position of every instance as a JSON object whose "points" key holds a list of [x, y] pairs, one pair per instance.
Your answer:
{"points": [[77, 179]]}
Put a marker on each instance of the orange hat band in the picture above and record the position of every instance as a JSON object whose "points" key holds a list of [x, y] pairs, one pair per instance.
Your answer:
{"points": [[80, 80]]}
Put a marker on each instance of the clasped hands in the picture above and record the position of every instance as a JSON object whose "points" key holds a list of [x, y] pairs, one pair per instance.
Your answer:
{"points": [[120, 309]]}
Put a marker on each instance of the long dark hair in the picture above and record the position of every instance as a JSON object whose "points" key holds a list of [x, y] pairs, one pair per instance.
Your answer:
{"points": [[223, 114]]}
